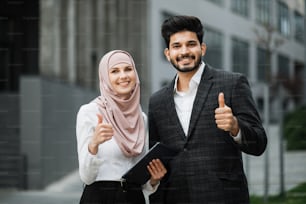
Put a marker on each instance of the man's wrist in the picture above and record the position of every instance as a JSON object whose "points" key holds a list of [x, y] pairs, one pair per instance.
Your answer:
{"points": [[153, 183], [235, 129]]}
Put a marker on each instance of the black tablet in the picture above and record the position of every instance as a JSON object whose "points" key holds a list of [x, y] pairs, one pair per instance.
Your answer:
{"points": [[139, 173]]}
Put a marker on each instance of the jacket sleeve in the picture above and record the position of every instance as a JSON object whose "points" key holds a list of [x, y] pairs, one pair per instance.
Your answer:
{"points": [[253, 136]]}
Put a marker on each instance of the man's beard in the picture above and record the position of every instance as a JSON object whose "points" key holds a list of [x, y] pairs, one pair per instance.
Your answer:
{"points": [[187, 69]]}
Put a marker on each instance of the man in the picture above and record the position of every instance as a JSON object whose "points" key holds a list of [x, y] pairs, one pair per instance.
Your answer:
{"points": [[210, 116]]}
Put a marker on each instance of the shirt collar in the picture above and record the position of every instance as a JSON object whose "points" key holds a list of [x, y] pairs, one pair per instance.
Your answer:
{"points": [[195, 79]]}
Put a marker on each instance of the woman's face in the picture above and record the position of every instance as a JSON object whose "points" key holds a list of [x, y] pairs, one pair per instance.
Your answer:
{"points": [[123, 79]]}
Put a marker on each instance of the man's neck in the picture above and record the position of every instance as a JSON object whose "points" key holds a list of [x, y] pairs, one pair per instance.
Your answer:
{"points": [[184, 79]]}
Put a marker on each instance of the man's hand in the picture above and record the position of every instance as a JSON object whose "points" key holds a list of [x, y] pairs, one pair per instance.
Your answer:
{"points": [[224, 117]]}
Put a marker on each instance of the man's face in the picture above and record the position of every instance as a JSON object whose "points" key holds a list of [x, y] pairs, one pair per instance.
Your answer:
{"points": [[185, 51]]}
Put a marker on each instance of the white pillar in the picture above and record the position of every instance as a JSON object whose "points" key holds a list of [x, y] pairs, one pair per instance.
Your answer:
{"points": [[57, 39], [71, 41]]}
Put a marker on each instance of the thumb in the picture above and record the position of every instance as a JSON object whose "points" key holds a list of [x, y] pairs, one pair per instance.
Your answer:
{"points": [[100, 118], [221, 100]]}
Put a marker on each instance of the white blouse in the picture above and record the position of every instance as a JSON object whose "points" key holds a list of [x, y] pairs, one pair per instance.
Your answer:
{"points": [[109, 164]]}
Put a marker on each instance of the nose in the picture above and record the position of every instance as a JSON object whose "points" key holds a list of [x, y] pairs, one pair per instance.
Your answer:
{"points": [[123, 74], [184, 49]]}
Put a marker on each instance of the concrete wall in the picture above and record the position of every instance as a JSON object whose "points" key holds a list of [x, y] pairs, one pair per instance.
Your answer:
{"points": [[11, 161], [48, 116], [74, 35]]}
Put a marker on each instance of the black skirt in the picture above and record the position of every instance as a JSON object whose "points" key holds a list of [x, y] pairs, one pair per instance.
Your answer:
{"points": [[112, 192]]}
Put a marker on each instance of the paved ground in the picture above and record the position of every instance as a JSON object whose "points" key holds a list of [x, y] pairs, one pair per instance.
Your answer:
{"points": [[294, 167], [68, 190], [65, 191]]}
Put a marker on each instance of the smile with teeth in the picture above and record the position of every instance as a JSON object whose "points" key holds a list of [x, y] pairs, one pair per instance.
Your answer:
{"points": [[185, 60], [124, 83]]}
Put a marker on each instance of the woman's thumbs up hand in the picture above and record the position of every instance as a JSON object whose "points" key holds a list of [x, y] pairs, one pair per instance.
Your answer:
{"points": [[103, 132]]}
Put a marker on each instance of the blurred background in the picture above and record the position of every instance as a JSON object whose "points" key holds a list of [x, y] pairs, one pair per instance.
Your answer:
{"points": [[49, 55]]}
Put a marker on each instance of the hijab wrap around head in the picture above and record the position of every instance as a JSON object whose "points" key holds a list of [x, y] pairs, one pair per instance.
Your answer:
{"points": [[125, 115]]}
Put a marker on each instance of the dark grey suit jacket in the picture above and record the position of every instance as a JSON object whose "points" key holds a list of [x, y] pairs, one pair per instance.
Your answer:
{"points": [[209, 167]]}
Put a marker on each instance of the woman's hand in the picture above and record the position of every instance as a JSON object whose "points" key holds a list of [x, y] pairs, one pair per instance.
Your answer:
{"points": [[157, 171], [103, 132]]}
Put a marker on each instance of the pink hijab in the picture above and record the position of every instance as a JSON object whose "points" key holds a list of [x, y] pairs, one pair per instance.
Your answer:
{"points": [[124, 115]]}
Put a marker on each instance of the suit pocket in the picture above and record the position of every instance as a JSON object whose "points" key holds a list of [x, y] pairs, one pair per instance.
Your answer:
{"points": [[229, 176], [235, 188]]}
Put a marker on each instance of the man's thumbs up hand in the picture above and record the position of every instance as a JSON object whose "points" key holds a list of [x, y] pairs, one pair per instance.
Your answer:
{"points": [[224, 117], [221, 100]]}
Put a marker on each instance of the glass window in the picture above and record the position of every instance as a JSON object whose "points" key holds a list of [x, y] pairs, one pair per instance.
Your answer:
{"points": [[214, 53], [6, 27], [164, 15], [219, 2], [263, 11], [240, 56], [299, 27], [283, 67], [263, 65], [241, 7], [283, 19]]}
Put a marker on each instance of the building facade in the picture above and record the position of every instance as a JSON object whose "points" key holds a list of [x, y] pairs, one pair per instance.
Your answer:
{"points": [[263, 39], [50, 50]]}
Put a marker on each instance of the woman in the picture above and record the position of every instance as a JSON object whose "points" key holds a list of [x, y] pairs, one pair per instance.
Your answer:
{"points": [[112, 136]]}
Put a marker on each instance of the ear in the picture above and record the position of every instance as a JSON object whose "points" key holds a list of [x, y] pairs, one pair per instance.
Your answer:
{"points": [[203, 48], [166, 53]]}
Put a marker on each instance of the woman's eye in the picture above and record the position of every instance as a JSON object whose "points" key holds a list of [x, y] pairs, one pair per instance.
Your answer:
{"points": [[128, 69], [114, 71]]}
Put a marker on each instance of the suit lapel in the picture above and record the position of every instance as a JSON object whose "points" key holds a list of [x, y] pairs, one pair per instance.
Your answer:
{"points": [[173, 117], [201, 97]]}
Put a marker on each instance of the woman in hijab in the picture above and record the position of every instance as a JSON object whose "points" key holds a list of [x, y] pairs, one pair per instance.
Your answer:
{"points": [[112, 136]]}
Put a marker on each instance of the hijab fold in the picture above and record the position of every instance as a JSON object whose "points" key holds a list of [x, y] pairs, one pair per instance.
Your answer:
{"points": [[125, 115]]}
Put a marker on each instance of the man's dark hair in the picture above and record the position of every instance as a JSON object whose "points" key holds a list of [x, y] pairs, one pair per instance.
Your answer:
{"points": [[176, 24]]}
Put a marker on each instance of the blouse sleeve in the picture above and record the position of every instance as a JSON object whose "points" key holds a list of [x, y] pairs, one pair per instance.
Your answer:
{"points": [[147, 188], [88, 164]]}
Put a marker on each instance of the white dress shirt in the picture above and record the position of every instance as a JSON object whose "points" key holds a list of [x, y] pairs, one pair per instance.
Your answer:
{"points": [[110, 163], [184, 101]]}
